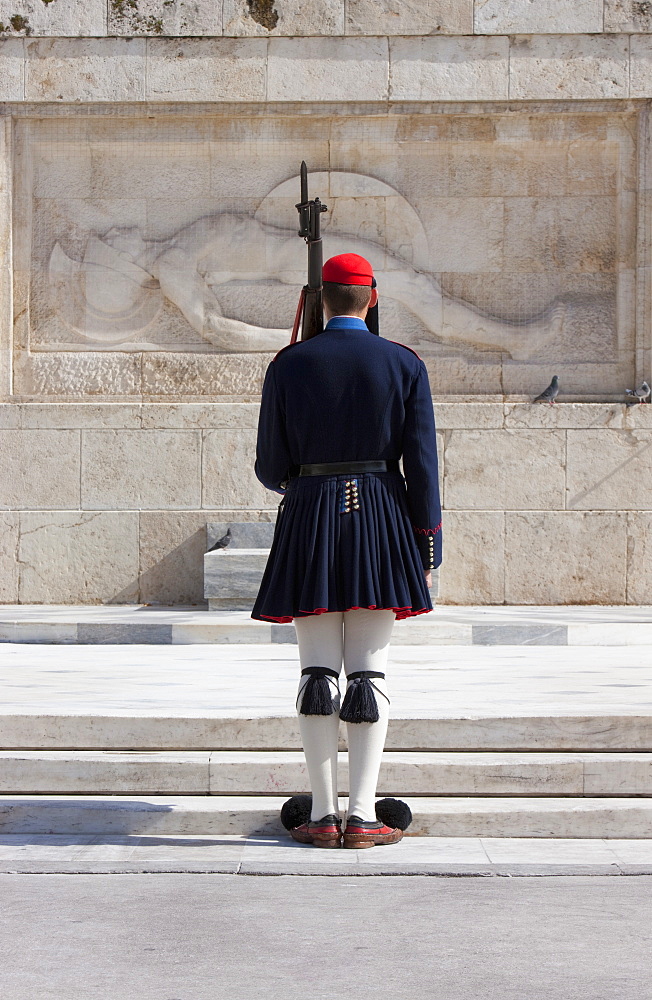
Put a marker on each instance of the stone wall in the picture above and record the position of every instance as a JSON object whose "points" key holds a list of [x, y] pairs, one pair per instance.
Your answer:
{"points": [[497, 174]]}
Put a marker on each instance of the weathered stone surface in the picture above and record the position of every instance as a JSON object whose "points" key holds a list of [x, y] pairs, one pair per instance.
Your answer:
{"points": [[327, 69], [78, 374], [609, 470], [144, 469], [74, 17], [575, 67], [409, 17], [640, 66], [172, 546], [232, 578], [572, 415], [243, 534], [228, 478], [78, 557], [198, 69], [449, 69], [12, 78], [203, 374], [639, 557], [504, 470], [565, 557], [8, 560], [85, 69], [523, 17], [627, 16], [287, 17], [473, 569], [164, 17], [40, 469]]}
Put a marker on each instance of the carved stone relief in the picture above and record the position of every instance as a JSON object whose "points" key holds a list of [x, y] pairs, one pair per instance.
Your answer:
{"points": [[497, 254]]}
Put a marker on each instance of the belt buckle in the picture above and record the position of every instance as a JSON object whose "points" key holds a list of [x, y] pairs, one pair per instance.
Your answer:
{"points": [[349, 499]]}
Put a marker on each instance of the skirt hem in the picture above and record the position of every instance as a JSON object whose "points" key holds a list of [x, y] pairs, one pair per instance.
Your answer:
{"points": [[400, 613]]}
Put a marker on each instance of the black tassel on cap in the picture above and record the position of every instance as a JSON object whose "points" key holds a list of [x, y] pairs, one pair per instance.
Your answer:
{"points": [[360, 703], [316, 696]]}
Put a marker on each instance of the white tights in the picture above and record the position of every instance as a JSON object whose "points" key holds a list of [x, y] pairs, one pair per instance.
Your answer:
{"points": [[360, 639]]}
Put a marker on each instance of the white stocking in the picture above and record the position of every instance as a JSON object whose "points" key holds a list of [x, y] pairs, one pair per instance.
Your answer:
{"points": [[320, 641], [367, 636]]}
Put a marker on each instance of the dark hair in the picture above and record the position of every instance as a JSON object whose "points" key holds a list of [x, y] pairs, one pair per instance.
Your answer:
{"points": [[344, 299]]}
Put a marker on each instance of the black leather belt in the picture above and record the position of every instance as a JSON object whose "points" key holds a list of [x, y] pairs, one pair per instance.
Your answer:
{"points": [[345, 468]]}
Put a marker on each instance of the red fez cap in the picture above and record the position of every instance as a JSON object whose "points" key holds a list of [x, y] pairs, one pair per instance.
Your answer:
{"points": [[348, 269]]}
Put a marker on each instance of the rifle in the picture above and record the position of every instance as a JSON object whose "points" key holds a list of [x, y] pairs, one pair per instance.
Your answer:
{"points": [[309, 311]]}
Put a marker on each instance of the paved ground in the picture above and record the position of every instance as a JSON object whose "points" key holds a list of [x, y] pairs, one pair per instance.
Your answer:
{"points": [[208, 937], [443, 856]]}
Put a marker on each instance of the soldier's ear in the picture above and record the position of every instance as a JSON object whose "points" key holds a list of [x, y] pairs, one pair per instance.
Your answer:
{"points": [[374, 298]]}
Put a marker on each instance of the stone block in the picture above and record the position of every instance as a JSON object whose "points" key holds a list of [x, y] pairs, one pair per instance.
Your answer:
{"points": [[228, 477], [495, 17], [627, 16], [504, 470], [568, 67], [640, 66], [8, 556], [473, 568], [639, 557], [609, 470], [172, 546], [202, 416], [577, 234], [69, 19], [78, 557], [165, 17], [12, 78], [244, 534], [469, 238], [85, 69], [520, 635], [71, 415], [232, 578], [573, 415], [449, 69], [565, 557], [203, 69], [142, 469], [40, 469], [467, 416], [289, 17], [327, 69], [172, 374], [409, 17]]}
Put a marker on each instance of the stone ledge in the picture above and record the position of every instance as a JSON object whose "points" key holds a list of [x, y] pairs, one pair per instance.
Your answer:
{"points": [[378, 68]]}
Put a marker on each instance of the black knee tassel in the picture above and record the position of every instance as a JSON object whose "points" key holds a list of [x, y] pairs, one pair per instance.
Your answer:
{"points": [[360, 703], [316, 696]]}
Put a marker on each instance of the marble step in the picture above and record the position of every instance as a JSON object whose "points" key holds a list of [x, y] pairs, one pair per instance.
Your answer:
{"points": [[235, 772], [214, 815], [130, 731], [445, 625]]}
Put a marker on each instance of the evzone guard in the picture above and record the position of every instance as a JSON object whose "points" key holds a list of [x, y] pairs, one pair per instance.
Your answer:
{"points": [[355, 540]]}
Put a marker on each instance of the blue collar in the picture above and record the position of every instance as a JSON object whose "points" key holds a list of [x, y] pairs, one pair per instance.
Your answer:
{"points": [[346, 323]]}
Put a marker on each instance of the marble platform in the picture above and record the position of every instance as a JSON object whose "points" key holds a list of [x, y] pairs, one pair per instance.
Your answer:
{"points": [[487, 625]]}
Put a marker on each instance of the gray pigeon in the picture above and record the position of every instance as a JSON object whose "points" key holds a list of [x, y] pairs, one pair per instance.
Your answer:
{"points": [[550, 394], [222, 542], [642, 393]]}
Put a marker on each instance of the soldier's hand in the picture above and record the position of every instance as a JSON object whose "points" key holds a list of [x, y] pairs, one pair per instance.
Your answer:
{"points": [[428, 573]]}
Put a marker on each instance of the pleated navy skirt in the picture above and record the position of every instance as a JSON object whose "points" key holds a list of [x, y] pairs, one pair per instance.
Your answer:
{"points": [[325, 557]]}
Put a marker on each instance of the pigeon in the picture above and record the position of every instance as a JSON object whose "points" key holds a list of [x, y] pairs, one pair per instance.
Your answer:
{"points": [[642, 394], [549, 395], [222, 542]]}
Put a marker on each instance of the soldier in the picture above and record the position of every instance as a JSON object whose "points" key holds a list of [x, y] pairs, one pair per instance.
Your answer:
{"points": [[355, 540]]}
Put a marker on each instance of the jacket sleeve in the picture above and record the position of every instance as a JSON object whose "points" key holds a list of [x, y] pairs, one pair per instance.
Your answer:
{"points": [[272, 465], [420, 469]]}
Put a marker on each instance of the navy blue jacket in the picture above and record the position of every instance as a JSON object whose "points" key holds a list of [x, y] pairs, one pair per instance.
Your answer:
{"points": [[345, 395]]}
